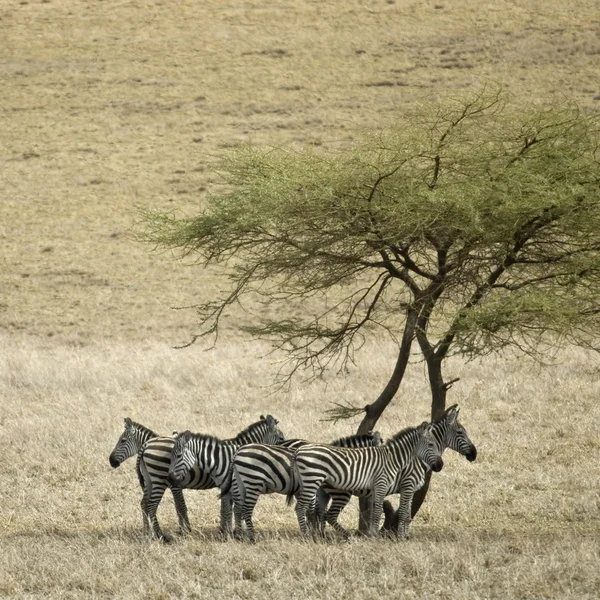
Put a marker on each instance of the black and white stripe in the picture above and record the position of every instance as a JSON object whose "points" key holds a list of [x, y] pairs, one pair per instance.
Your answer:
{"points": [[354, 470], [213, 457], [134, 436], [261, 469], [153, 465], [448, 433]]}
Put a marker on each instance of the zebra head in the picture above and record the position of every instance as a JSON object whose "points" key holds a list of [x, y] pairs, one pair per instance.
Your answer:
{"points": [[427, 448], [273, 435], [182, 458], [129, 443], [455, 435]]}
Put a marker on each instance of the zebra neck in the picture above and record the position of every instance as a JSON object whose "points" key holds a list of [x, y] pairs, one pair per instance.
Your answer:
{"points": [[212, 454], [403, 447], [145, 434], [439, 429], [249, 437]]}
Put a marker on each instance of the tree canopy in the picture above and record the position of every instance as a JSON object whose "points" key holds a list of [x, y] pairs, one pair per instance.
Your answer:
{"points": [[471, 224]]}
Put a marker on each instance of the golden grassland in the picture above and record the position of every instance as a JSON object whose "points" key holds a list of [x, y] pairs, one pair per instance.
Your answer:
{"points": [[108, 106], [521, 522]]}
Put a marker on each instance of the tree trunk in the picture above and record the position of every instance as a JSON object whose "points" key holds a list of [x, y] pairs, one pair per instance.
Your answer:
{"points": [[439, 390], [375, 410], [438, 387]]}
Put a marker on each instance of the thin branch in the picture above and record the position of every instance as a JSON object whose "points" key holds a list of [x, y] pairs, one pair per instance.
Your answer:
{"points": [[342, 412]]}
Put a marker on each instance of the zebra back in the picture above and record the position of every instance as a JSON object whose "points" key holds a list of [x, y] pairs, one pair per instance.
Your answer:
{"points": [[363, 440], [351, 441]]}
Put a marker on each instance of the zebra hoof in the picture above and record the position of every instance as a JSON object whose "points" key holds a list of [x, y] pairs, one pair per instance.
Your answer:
{"points": [[165, 539]]}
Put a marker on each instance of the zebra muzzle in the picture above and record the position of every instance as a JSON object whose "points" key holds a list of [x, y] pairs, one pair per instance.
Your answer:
{"points": [[113, 461], [471, 454], [437, 465]]}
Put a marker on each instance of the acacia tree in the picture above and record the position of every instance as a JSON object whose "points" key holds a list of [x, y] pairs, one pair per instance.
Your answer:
{"points": [[470, 225]]}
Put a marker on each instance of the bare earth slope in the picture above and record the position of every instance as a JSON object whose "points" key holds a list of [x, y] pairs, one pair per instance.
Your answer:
{"points": [[106, 106]]}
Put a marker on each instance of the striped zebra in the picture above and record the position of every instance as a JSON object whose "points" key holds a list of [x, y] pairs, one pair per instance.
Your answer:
{"points": [[212, 457], [448, 433], [135, 437], [130, 442], [361, 440], [357, 469], [153, 460], [261, 469]]}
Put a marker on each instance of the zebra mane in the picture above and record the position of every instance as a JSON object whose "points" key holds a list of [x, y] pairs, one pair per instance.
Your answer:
{"points": [[404, 433], [268, 420], [140, 427], [349, 439], [187, 435]]}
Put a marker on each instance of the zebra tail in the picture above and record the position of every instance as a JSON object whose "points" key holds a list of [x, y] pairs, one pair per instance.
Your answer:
{"points": [[138, 470], [295, 482]]}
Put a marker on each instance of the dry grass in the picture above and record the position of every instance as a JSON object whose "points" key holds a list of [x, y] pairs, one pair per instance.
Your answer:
{"points": [[521, 522], [109, 105]]}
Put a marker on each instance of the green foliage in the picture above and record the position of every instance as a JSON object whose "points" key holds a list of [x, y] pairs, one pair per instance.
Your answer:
{"points": [[480, 214]]}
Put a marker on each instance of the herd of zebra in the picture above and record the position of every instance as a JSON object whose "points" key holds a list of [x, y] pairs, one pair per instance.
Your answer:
{"points": [[259, 460]]}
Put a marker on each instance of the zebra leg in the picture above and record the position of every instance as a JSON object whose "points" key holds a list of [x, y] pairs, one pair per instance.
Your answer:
{"points": [[153, 493], [248, 510], [181, 508], [143, 504], [322, 501], [406, 496], [303, 503], [238, 507], [226, 514], [339, 501], [376, 509]]}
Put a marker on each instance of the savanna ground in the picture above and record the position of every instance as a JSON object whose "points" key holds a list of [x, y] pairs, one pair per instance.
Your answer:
{"points": [[107, 106]]}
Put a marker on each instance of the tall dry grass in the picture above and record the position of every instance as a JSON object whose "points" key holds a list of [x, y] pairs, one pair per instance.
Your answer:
{"points": [[521, 522]]}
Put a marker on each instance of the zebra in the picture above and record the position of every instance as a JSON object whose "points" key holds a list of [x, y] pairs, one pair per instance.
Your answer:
{"points": [[212, 457], [153, 460], [134, 436], [357, 469], [262, 469], [448, 433]]}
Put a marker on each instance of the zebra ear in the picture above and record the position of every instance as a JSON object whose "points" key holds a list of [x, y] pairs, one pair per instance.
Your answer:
{"points": [[271, 421], [424, 426], [451, 413], [376, 438], [184, 436], [128, 422]]}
